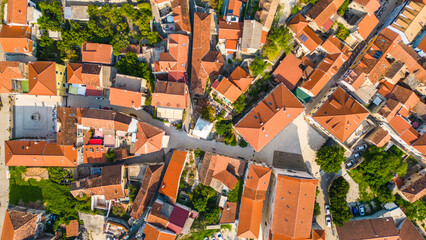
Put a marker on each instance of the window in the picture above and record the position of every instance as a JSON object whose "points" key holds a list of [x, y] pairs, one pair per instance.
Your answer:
{"points": [[303, 38], [56, 72], [270, 103], [255, 116]]}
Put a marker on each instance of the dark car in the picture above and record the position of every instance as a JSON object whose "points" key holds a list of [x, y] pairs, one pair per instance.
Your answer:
{"points": [[355, 211]]}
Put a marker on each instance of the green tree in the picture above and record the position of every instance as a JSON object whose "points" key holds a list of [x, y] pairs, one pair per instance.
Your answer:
{"points": [[133, 192], [271, 50], [380, 166], [258, 66], [338, 205], [110, 156], [223, 127], [330, 158], [57, 174], [343, 8], [51, 17], [119, 41], [240, 104], [73, 36], [242, 143], [317, 209], [130, 65], [118, 211], [47, 49], [343, 32], [282, 37], [200, 197], [207, 113], [212, 213]]}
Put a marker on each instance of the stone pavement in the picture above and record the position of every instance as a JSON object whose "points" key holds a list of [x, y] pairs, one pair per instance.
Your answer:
{"points": [[4, 135]]}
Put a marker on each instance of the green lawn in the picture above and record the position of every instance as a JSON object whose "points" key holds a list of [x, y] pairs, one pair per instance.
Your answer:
{"points": [[56, 198]]}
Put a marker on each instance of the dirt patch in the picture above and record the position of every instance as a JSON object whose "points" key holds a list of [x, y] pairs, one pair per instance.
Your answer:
{"points": [[36, 173]]}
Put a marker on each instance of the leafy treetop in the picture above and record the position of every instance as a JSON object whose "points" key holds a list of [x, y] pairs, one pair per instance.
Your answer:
{"points": [[330, 158]]}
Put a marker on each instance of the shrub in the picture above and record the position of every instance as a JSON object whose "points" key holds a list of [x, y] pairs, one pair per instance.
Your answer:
{"points": [[343, 32], [240, 104], [258, 66], [110, 156], [207, 113], [242, 143], [198, 153]]}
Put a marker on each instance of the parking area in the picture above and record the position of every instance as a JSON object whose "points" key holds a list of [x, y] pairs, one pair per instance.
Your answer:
{"points": [[35, 116]]}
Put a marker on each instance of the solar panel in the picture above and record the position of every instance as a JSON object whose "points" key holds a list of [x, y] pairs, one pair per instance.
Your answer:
{"points": [[378, 54], [303, 38]]}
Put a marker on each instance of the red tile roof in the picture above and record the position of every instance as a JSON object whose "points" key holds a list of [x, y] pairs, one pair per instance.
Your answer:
{"points": [[333, 45], [8, 72], [269, 117], [150, 182], [177, 56], [228, 213], [341, 115], [19, 225], [148, 139], [170, 184], [293, 207], [39, 154], [323, 10], [235, 7], [72, 229], [376, 228], [96, 53], [288, 72], [170, 94], [252, 201], [230, 30], [125, 98], [16, 12], [154, 233], [180, 10], [42, 78], [420, 144], [84, 73], [205, 63], [380, 137], [16, 39], [367, 24], [94, 154]]}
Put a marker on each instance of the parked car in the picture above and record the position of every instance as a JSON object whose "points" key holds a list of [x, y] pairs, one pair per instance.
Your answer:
{"points": [[362, 147], [328, 221], [350, 164], [219, 236], [355, 211], [327, 209], [206, 238], [357, 155], [361, 210]]}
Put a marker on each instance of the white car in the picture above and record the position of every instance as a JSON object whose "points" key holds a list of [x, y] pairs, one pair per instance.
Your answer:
{"points": [[362, 147], [219, 236], [327, 209], [328, 221]]}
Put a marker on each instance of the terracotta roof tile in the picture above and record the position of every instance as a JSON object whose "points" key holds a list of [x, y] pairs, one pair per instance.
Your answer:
{"points": [[420, 144], [228, 90], [39, 154], [148, 189], [269, 117], [72, 229], [228, 213], [148, 139], [371, 229], [409, 232], [380, 137], [341, 115], [67, 117], [214, 165], [94, 154], [8, 72], [415, 190], [105, 119], [323, 10], [170, 184], [16, 12], [288, 72], [230, 30], [125, 98], [19, 225], [96, 53], [154, 233], [42, 78], [181, 15], [333, 45], [16, 39], [170, 94], [84, 73], [293, 207], [367, 24]]}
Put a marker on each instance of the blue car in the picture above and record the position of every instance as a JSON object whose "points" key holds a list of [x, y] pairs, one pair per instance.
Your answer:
{"points": [[355, 211]]}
